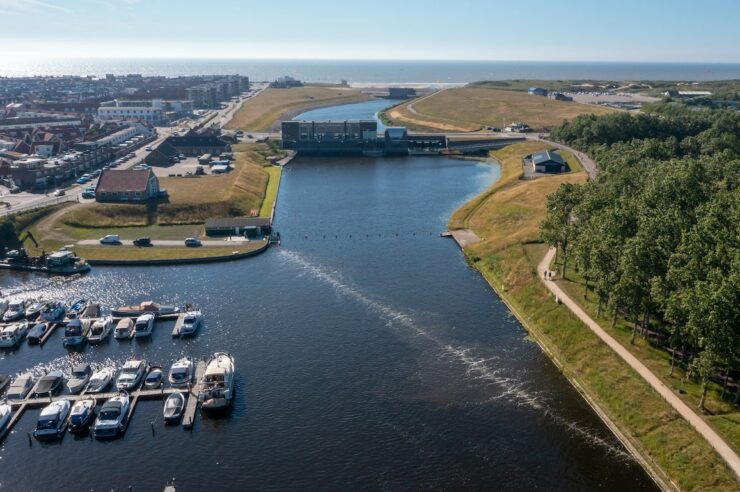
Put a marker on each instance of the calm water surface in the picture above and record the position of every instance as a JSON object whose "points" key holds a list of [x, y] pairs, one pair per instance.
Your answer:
{"points": [[368, 355]]}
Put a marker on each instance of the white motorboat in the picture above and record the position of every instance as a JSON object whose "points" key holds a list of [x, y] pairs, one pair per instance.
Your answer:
{"points": [[49, 384], [13, 334], [217, 385], [20, 387], [75, 333], [131, 375], [52, 421], [16, 310], [144, 325], [154, 377], [53, 311], [75, 308], [100, 380], [4, 416], [34, 309], [112, 417], [124, 329], [100, 330], [173, 407], [181, 373], [191, 323], [81, 375], [81, 415]]}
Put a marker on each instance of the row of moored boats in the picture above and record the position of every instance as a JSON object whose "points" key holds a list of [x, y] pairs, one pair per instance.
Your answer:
{"points": [[215, 390]]}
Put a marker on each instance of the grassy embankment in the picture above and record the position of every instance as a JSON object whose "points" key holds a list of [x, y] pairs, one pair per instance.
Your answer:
{"points": [[252, 184], [507, 218], [720, 413], [473, 108], [262, 112]]}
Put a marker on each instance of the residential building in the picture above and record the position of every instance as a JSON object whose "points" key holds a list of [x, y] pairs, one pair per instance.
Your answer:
{"points": [[130, 185], [152, 111], [195, 145]]}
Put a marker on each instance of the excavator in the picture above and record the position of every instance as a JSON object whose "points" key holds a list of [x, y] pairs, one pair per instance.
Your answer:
{"points": [[20, 255]]}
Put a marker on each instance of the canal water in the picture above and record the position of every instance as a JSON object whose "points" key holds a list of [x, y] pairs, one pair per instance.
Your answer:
{"points": [[368, 356]]}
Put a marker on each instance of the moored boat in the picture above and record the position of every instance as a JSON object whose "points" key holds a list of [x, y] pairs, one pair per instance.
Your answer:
{"points": [[33, 310], [112, 417], [36, 333], [217, 385], [144, 325], [53, 311], [52, 421], [173, 407], [146, 307], [20, 387], [75, 333], [48, 384], [191, 323], [16, 310], [13, 334], [181, 373], [100, 380], [75, 308], [154, 377], [124, 329], [81, 415], [100, 330], [81, 375], [131, 375], [5, 413]]}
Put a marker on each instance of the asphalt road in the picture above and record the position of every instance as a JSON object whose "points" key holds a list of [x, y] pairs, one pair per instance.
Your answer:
{"points": [[168, 243]]}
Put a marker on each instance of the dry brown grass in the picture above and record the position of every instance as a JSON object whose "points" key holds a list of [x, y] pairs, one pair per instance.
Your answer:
{"points": [[260, 113], [472, 108]]}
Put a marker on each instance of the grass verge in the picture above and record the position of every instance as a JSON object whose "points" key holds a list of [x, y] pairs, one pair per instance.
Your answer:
{"points": [[161, 253], [507, 218]]}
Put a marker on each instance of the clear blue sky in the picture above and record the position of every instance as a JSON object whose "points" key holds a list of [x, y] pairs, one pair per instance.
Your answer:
{"points": [[562, 30]]}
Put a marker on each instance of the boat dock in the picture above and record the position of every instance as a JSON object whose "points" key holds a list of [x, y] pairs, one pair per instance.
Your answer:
{"points": [[191, 405], [178, 325], [188, 418], [52, 328]]}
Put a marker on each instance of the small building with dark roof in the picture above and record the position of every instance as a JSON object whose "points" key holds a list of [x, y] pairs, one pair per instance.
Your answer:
{"points": [[238, 226], [162, 155], [195, 145], [130, 185], [548, 161]]}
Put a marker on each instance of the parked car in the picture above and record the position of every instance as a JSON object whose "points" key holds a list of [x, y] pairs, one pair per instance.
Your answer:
{"points": [[59, 193], [142, 241], [88, 194], [110, 239], [192, 242], [148, 148], [82, 180], [96, 173]]}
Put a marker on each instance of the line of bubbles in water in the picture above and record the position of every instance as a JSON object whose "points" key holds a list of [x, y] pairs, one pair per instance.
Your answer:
{"points": [[514, 389]]}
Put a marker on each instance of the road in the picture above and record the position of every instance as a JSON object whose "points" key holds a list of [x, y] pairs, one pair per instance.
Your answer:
{"points": [[169, 243]]}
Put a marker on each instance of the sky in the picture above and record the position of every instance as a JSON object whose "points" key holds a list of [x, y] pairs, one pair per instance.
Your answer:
{"points": [[534, 30]]}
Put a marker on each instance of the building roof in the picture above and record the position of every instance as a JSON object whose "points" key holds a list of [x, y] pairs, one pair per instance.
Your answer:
{"points": [[195, 141], [113, 181], [547, 156], [225, 223]]}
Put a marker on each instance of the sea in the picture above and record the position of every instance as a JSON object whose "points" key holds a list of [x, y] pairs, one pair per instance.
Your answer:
{"points": [[374, 71]]}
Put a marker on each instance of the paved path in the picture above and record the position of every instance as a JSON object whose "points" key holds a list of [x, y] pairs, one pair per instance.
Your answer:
{"points": [[167, 243], [465, 237], [684, 410]]}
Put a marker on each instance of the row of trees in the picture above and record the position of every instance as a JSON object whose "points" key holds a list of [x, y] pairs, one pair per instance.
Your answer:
{"points": [[657, 235]]}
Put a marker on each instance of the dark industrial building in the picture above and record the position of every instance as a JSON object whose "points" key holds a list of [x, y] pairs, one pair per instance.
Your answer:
{"points": [[252, 227], [401, 92], [548, 162]]}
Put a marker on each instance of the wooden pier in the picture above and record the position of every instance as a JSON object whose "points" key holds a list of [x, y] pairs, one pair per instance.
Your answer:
{"points": [[178, 325], [20, 406], [191, 405], [52, 328]]}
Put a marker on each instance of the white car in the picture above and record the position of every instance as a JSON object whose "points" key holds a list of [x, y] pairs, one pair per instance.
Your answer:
{"points": [[110, 239], [59, 193], [148, 148]]}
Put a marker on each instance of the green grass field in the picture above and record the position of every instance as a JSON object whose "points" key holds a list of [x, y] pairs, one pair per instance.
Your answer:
{"points": [[262, 112], [507, 218], [472, 108]]}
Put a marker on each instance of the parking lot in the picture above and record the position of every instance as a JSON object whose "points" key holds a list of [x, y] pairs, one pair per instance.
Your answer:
{"points": [[182, 168]]}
